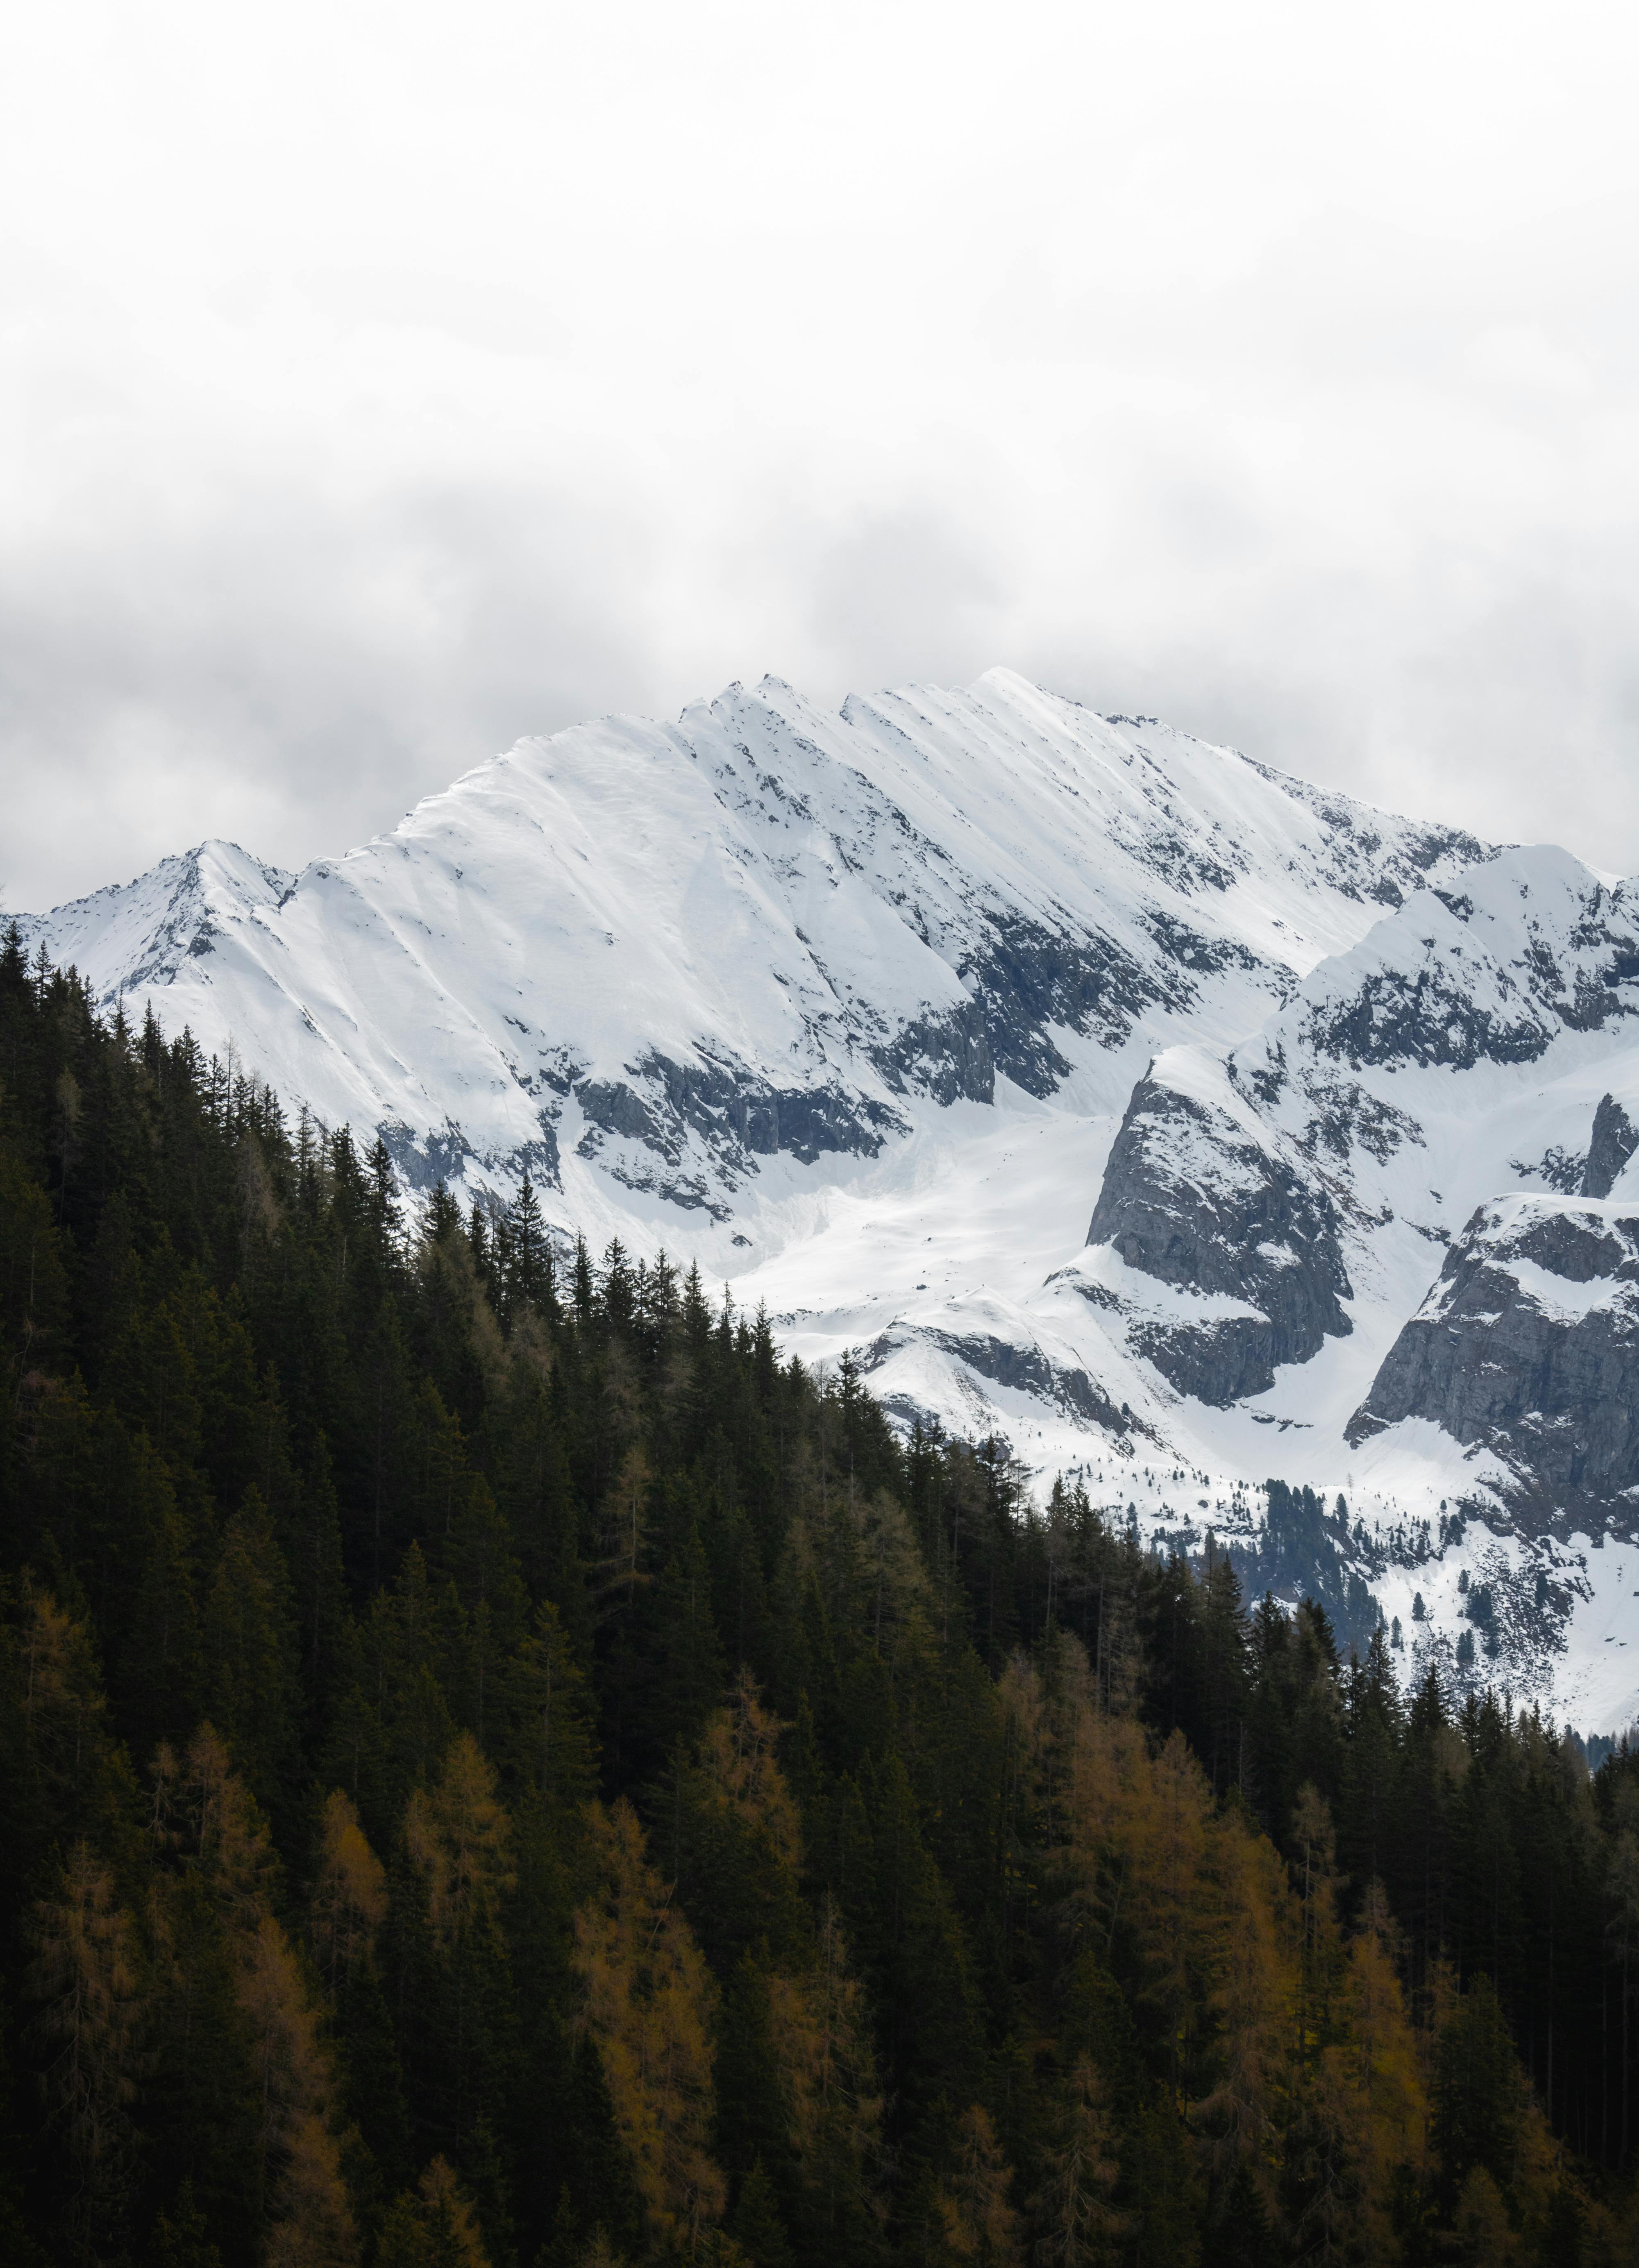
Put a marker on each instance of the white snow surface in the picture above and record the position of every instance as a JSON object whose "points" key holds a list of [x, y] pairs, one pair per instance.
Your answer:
{"points": [[769, 898]]}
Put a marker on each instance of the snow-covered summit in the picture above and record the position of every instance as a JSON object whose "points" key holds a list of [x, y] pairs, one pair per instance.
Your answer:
{"points": [[873, 1009], [760, 932], [133, 936]]}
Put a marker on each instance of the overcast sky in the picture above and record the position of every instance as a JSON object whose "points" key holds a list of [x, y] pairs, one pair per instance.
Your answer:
{"points": [[382, 382]]}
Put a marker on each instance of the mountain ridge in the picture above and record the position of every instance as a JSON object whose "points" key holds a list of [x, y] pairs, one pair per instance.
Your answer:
{"points": [[875, 1009]]}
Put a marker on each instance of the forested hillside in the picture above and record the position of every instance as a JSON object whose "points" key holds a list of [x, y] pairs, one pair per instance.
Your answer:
{"points": [[500, 1768]]}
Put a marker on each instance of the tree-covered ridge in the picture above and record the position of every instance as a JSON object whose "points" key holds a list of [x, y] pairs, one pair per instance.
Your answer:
{"points": [[499, 1767]]}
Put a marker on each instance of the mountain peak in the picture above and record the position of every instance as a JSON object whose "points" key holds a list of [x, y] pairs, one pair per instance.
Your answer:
{"points": [[872, 1008], [137, 937]]}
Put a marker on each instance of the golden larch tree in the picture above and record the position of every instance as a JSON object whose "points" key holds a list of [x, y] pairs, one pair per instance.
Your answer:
{"points": [[648, 2000], [349, 1901], [971, 2218], [84, 1973]]}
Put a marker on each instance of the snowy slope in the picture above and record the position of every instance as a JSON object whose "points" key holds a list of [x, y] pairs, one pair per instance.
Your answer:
{"points": [[643, 937], [137, 937], [1431, 1096], [874, 1011]]}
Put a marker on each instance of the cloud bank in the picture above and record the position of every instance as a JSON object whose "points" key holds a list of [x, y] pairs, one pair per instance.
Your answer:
{"points": [[381, 384]]}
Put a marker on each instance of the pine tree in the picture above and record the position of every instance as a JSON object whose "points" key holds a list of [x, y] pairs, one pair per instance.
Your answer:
{"points": [[1253, 1997], [457, 1837], [251, 1658], [385, 1214], [755, 2225], [1479, 2092], [546, 1737], [530, 1284], [181, 2237], [316, 1556], [924, 1989], [433, 2225], [1242, 2232], [1077, 2222]]}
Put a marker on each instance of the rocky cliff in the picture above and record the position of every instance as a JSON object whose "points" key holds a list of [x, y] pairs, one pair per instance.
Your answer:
{"points": [[1613, 1142], [1198, 1197], [1527, 1346]]}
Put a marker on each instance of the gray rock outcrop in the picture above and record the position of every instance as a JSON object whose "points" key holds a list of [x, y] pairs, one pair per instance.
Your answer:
{"points": [[1528, 1345], [1615, 1138], [1192, 1198]]}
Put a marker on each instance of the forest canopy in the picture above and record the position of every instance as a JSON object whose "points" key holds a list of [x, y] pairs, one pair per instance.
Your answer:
{"points": [[502, 1770]]}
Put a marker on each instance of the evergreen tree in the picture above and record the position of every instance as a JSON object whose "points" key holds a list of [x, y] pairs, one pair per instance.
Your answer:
{"points": [[494, 1781]]}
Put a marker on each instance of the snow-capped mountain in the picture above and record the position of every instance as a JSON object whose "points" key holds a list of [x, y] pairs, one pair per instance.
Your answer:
{"points": [[135, 939], [875, 1010]]}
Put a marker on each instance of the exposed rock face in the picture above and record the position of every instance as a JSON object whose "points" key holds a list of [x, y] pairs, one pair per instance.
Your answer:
{"points": [[1029, 977], [947, 1056], [736, 1118], [1490, 970], [1615, 1138], [1193, 1198], [1528, 1345], [1385, 869], [1262, 1182], [1024, 1368]]}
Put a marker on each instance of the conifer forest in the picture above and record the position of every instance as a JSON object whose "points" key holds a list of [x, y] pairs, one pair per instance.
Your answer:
{"points": [[501, 1769]]}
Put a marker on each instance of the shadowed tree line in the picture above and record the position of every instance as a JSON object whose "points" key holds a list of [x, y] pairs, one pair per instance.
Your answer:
{"points": [[501, 1770]]}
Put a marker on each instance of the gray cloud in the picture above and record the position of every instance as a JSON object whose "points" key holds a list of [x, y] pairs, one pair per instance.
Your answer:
{"points": [[294, 676], [371, 405]]}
